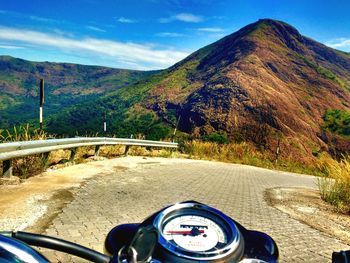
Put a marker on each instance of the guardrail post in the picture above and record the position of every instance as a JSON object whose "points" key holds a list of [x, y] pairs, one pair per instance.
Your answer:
{"points": [[97, 150], [127, 147], [6, 168], [72, 154], [45, 159]]}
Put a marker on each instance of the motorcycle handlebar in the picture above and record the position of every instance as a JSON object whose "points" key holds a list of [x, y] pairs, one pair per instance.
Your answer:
{"points": [[341, 257], [59, 245]]}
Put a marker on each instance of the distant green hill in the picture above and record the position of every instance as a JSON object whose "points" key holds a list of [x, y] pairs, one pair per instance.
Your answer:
{"points": [[65, 85]]}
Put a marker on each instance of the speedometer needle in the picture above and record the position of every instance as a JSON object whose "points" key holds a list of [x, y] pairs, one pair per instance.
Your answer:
{"points": [[185, 232]]}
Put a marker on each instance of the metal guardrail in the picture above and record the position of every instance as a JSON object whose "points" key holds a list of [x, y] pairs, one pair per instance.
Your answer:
{"points": [[13, 150]]}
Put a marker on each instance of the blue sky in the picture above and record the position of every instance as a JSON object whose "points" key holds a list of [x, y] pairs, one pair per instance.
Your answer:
{"points": [[151, 34]]}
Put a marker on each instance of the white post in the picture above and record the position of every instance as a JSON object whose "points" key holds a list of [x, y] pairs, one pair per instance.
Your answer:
{"points": [[41, 103]]}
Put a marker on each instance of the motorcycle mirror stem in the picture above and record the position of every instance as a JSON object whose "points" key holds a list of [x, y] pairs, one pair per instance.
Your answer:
{"points": [[140, 248]]}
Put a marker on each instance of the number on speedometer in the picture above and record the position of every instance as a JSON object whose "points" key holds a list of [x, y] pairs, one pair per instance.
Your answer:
{"points": [[194, 233]]}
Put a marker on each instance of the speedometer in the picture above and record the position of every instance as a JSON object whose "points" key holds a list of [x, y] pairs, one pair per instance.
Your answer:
{"points": [[198, 232]]}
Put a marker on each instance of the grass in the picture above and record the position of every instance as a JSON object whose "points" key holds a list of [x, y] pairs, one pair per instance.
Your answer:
{"points": [[247, 153], [335, 185], [35, 164], [22, 133], [241, 153], [26, 166]]}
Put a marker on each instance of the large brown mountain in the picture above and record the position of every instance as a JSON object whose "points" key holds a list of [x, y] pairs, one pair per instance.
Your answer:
{"points": [[267, 73], [264, 83]]}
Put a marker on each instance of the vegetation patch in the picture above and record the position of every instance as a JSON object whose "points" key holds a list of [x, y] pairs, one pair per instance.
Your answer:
{"points": [[327, 74], [338, 122], [247, 153], [217, 137], [335, 185], [30, 165]]}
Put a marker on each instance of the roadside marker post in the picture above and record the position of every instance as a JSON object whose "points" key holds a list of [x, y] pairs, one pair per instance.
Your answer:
{"points": [[41, 103], [105, 124]]}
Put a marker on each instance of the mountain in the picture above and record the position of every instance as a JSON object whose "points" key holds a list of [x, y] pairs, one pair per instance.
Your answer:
{"points": [[265, 83], [65, 85]]}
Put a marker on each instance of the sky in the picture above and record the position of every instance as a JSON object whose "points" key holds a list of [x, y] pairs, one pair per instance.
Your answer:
{"points": [[151, 34]]}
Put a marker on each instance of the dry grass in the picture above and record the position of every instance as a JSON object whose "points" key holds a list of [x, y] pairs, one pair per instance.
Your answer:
{"points": [[35, 164], [222, 152], [247, 153], [27, 166], [22, 133], [335, 185], [152, 152]]}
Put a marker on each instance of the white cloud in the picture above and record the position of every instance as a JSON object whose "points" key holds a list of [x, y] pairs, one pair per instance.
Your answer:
{"points": [[124, 52], [126, 20], [169, 34], [42, 19], [339, 43], [184, 17], [10, 47], [210, 29], [95, 28], [188, 18], [62, 33]]}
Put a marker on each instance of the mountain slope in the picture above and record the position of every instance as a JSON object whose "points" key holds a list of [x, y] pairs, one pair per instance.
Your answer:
{"points": [[65, 84], [262, 83]]}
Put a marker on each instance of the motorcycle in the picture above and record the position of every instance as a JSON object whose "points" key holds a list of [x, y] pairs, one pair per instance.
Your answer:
{"points": [[185, 232]]}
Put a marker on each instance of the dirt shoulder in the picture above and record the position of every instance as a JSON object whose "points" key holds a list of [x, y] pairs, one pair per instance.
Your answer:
{"points": [[33, 204], [307, 206]]}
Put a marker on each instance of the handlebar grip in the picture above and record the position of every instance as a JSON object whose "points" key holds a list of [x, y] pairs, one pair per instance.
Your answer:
{"points": [[341, 257], [61, 245]]}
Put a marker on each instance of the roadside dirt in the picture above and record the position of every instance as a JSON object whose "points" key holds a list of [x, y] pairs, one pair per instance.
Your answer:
{"points": [[307, 206], [33, 204], [23, 206]]}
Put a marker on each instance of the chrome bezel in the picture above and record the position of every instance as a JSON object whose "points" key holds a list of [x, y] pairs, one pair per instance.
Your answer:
{"points": [[233, 244]]}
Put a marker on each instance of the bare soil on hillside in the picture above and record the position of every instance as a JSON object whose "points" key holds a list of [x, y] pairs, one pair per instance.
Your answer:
{"points": [[307, 206]]}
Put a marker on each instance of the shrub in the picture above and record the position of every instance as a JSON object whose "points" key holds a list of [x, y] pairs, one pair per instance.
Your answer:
{"points": [[218, 137], [337, 121], [335, 186]]}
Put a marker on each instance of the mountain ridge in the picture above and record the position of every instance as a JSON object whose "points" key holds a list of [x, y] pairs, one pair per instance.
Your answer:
{"points": [[265, 83], [65, 84]]}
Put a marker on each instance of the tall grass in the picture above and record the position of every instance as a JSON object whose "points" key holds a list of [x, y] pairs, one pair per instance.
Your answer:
{"points": [[34, 164], [30, 165], [22, 133], [247, 153], [335, 185]]}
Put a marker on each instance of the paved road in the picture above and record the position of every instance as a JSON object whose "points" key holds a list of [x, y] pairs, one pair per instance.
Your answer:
{"points": [[130, 195]]}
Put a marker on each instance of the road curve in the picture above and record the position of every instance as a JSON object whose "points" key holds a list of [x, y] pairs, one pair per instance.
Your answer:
{"points": [[126, 193]]}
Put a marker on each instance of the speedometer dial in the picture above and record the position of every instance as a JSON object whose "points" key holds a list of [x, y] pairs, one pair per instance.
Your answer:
{"points": [[195, 233], [198, 232]]}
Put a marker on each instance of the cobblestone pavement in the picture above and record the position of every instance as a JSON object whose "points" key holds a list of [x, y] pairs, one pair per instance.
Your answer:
{"points": [[130, 195]]}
